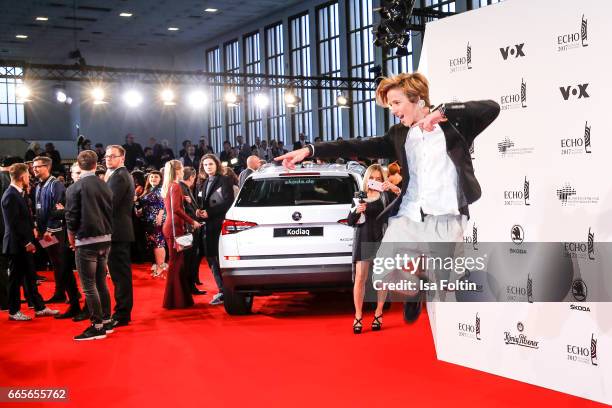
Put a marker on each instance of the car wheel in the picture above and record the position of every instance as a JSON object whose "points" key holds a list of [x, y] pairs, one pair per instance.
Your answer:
{"points": [[237, 303]]}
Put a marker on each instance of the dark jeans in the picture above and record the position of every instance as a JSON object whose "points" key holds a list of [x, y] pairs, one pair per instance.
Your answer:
{"points": [[192, 260], [213, 263], [21, 270], [91, 264], [4, 282], [56, 254], [120, 266], [69, 280]]}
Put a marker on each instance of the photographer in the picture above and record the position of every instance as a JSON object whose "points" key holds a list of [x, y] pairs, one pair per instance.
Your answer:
{"points": [[369, 203]]}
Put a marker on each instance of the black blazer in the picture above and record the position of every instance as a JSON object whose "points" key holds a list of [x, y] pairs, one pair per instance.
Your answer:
{"points": [[190, 208], [122, 186], [18, 225], [216, 205], [465, 121]]}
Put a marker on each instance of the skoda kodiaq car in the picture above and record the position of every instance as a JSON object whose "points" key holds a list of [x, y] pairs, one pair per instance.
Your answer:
{"points": [[287, 232]]}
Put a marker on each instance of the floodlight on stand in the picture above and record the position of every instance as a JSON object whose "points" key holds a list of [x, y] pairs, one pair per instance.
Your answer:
{"points": [[197, 99], [167, 96], [343, 101], [291, 99], [132, 98], [262, 100], [23, 93]]}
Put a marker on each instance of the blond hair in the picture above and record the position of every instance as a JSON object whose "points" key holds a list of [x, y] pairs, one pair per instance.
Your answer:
{"points": [[415, 87], [170, 175], [368, 174]]}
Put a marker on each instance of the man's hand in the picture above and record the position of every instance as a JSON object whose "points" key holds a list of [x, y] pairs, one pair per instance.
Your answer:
{"points": [[428, 122], [71, 240], [59, 206], [201, 213], [196, 225], [47, 236], [187, 198], [30, 247], [296, 156]]}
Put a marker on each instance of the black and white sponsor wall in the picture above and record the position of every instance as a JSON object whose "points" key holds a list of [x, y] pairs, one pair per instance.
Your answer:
{"points": [[544, 167]]}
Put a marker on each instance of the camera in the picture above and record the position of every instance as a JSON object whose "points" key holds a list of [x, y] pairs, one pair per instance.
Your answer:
{"points": [[361, 196]]}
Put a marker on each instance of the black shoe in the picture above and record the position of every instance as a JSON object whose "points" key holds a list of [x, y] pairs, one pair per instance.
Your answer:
{"points": [[109, 326], [83, 315], [196, 291], [119, 323], [69, 313], [357, 326], [376, 323], [412, 309], [56, 299], [91, 333]]}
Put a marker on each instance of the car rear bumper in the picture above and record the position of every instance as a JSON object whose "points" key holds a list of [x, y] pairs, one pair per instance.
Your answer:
{"points": [[266, 280]]}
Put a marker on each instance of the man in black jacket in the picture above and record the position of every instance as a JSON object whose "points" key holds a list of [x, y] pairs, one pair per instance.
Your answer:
{"points": [[18, 244], [133, 151], [438, 180], [191, 208], [121, 184], [88, 219]]}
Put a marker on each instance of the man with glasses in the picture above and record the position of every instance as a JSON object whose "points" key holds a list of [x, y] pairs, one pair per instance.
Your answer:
{"points": [[121, 184]]}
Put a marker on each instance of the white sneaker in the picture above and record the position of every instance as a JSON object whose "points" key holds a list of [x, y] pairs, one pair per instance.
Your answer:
{"points": [[217, 299], [19, 317], [46, 312]]}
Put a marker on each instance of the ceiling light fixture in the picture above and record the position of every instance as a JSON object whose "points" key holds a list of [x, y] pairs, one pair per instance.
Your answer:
{"points": [[23, 93], [167, 96], [41, 18], [173, 28], [125, 14], [132, 98], [197, 99], [21, 36], [211, 10], [98, 95]]}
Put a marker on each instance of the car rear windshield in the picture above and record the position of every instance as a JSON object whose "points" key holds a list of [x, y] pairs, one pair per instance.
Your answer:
{"points": [[288, 191]]}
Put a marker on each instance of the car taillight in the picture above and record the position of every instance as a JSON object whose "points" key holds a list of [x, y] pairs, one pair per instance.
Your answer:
{"points": [[233, 226], [232, 258], [343, 221]]}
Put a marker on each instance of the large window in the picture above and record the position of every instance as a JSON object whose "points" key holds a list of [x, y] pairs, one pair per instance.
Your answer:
{"points": [[361, 59], [215, 129], [232, 113], [252, 61], [275, 65], [328, 40], [301, 116], [12, 112]]}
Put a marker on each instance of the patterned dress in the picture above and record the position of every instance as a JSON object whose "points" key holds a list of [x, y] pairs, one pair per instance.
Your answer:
{"points": [[152, 203]]}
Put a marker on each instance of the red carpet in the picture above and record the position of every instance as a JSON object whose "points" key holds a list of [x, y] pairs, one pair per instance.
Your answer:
{"points": [[296, 350]]}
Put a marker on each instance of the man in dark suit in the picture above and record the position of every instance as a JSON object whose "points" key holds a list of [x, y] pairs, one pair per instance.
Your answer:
{"points": [[435, 146], [253, 164], [18, 244], [119, 263], [300, 143], [132, 150], [5, 182]]}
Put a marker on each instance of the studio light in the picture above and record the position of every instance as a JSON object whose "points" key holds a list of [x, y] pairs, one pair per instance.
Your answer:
{"points": [[343, 101], [167, 96], [98, 95], [232, 99], [197, 99], [262, 100], [291, 99], [23, 93], [132, 98], [211, 10]]}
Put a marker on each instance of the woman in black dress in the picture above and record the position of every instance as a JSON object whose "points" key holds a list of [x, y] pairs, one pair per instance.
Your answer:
{"points": [[368, 233]]}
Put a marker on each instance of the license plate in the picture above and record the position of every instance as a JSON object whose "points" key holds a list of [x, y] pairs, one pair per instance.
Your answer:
{"points": [[298, 232]]}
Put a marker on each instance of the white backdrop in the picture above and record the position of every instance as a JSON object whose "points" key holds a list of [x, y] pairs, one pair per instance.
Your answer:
{"points": [[548, 64]]}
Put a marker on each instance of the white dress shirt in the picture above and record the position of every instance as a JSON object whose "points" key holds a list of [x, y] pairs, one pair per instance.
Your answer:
{"points": [[433, 177]]}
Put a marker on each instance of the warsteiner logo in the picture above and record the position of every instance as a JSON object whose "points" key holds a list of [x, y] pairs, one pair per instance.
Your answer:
{"points": [[516, 51], [579, 145], [515, 100], [462, 63], [578, 91], [573, 40]]}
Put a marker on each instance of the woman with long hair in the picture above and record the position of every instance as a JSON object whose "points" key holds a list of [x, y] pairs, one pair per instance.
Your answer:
{"points": [[178, 286], [153, 216], [215, 195], [364, 216]]}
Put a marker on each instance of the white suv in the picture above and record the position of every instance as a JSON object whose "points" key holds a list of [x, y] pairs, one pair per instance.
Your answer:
{"points": [[287, 232]]}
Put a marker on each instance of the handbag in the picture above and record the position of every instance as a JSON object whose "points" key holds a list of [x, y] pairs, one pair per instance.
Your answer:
{"points": [[182, 242]]}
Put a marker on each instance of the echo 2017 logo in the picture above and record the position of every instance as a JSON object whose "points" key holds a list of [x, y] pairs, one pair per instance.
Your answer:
{"points": [[462, 63], [578, 145], [515, 51], [569, 41], [515, 100]]}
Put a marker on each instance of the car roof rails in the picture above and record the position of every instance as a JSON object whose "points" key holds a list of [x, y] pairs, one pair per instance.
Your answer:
{"points": [[356, 167]]}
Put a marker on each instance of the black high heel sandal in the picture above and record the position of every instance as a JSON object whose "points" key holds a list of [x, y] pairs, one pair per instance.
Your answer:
{"points": [[376, 323], [357, 326]]}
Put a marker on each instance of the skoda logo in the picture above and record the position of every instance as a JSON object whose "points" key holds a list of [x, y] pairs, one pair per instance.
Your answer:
{"points": [[579, 290], [517, 234], [520, 327], [296, 216]]}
